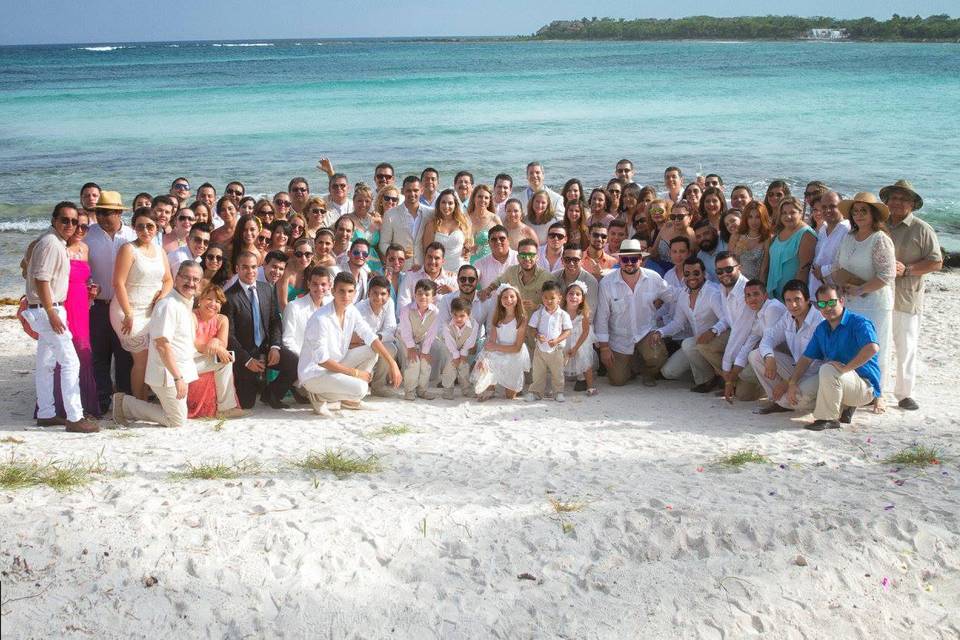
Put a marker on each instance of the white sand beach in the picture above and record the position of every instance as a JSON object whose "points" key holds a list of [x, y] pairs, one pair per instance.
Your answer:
{"points": [[457, 535]]}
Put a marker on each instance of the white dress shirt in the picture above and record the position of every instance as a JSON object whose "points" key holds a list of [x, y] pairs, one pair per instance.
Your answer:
{"points": [[828, 246], [748, 330], [103, 255], [384, 324], [489, 268], [786, 332], [555, 198], [334, 210], [550, 326], [295, 317], [734, 305], [178, 255], [707, 309], [544, 263], [624, 315], [173, 319], [324, 339], [452, 333], [411, 278], [400, 227]]}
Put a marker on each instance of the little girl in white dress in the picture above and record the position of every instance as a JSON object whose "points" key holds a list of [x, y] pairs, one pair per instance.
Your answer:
{"points": [[504, 358], [580, 355]]}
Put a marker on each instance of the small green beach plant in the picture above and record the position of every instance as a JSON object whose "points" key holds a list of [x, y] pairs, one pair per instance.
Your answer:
{"points": [[218, 470], [742, 457], [338, 463], [917, 455]]}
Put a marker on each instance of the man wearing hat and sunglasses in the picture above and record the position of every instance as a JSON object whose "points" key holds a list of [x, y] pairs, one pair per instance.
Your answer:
{"points": [[104, 240], [626, 318], [918, 253]]}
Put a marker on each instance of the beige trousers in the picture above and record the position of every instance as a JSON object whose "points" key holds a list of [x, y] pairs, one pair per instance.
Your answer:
{"points": [[646, 359], [547, 363], [712, 351], [170, 413], [334, 387]]}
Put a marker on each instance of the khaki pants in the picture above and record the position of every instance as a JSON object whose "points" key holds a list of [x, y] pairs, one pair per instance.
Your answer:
{"points": [[222, 380], [171, 412], [687, 359], [835, 390], [748, 385], [453, 374], [785, 369], [334, 387], [547, 363], [712, 351], [381, 368], [416, 375], [646, 360]]}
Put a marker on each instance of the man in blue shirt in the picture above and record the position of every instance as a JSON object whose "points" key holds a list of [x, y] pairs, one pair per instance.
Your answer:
{"points": [[850, 376]]}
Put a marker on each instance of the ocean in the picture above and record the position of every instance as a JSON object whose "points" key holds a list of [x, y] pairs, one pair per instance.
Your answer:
{"points": [[133, 117]]}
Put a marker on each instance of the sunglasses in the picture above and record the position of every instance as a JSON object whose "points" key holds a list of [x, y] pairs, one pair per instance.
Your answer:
{"points": [[199, 240], [213, 256], [181, 187], [282, 204], [497, 238], [303, 254], [727, 269], [83, 227], [602, 236], [145, 226], [571, 259], [183, 218], [823, 304], [262, 239], [338, 186], [70, 222], [629, 259], [299, 189], [393, 199], [677, 216], [235, 192], [383, 176], [657, 210], [294, 227], [556, 236], [317, 211], [467, 279], [527, 256], [359, 254]]}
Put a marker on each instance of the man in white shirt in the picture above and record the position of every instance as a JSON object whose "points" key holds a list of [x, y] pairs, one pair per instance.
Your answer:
{"points": [[329, 370], [732, 283], [501, 256], [771, 364], [298, 312], [829, 237], [535, 182], [432, 270], [463, 185], [377, 309], [338, 198], [550, 255], [402, 223], [626, 317], [104, 239], [502, 191], [197, 243], [170, 358], [696, 312], [761, 314]]}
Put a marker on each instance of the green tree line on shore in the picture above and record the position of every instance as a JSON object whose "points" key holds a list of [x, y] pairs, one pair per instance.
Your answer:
{"points": [[937, 27]]}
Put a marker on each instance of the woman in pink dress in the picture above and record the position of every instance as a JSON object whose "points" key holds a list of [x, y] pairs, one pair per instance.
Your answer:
{"points": [[211, 342]]}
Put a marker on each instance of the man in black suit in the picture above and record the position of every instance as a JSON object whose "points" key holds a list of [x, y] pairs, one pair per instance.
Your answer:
{"points": [[256, 337]]}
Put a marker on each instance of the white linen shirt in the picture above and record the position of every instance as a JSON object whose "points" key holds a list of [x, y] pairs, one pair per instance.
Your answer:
{"points": [[489, 268], [410, 279], [828, 246], [324, 339], [295, 317], [383, 324], [734, 305], [703, 316], [786, 332], [624, 315], [103, 256], [173, 319], [749, 328], [544, 263], [550, 325]]}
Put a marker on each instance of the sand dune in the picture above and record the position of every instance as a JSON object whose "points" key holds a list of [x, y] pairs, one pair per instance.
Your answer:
{"points": [[659, 540]]}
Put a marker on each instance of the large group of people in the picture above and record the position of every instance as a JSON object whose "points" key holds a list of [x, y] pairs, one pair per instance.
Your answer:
{"points": [[196, 306]]}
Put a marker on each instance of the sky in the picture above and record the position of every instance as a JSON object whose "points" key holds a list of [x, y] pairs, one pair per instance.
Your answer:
{"points": [[106, 21]]}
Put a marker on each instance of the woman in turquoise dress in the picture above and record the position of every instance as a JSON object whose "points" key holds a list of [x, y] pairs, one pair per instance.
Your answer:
{"points": [[791, 252], [367, 221], [482, 219]]}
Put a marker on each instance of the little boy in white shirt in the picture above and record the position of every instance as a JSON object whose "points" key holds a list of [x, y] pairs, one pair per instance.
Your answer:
{"points": [[459, 336], [552, 326]]}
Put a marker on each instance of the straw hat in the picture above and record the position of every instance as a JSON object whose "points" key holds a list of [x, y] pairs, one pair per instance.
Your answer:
{"points": [[869, 199], [631, 247], [902, 185], [110, 200]]}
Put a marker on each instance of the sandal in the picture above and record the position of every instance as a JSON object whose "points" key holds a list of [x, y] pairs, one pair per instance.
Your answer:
{"points": [[592, 391]]}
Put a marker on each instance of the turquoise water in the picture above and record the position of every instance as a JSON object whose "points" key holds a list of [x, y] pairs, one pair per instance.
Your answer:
{"points": [[133, 117]]}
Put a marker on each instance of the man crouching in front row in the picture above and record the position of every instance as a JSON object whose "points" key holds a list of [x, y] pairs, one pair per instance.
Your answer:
{"points": [[847, 344]]}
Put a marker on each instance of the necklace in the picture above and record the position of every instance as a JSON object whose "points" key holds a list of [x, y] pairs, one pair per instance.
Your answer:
{"points": [[753, 236]]}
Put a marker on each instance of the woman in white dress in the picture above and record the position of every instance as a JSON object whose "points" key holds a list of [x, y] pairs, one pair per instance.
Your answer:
{"points": [[450, 227], [141, 276], [504, 358], [868, 269], [540, 215]]}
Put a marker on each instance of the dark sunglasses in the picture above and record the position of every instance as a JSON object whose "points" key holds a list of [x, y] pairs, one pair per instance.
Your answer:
{"points": [[262, 239], [181, 187], [199, 240], [182, 218], [303, 254], [282, 203], [602, 236], [83, 227], [235, 192], [727, 269], [318, 211], [467, 279], [393, 199], [823, 304], [356, 253], [677, 216], [383, 176], [70, 222], [571, 259], [297, 226], [629, 259], [214, 257], [556, 236]]}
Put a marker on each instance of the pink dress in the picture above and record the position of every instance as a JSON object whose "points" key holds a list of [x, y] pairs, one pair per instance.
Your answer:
{"points": [[202, 392]]}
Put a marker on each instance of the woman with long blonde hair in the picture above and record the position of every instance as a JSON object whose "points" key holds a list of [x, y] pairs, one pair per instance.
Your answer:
{"points": [[450, 227]]}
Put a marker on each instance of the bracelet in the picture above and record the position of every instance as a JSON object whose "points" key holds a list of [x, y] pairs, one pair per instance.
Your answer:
{"points": [[178, 379]]}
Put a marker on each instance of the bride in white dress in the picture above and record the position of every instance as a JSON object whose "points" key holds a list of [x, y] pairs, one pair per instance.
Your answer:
{"points": [[450, 227], [868, 265], [504, 358]]}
